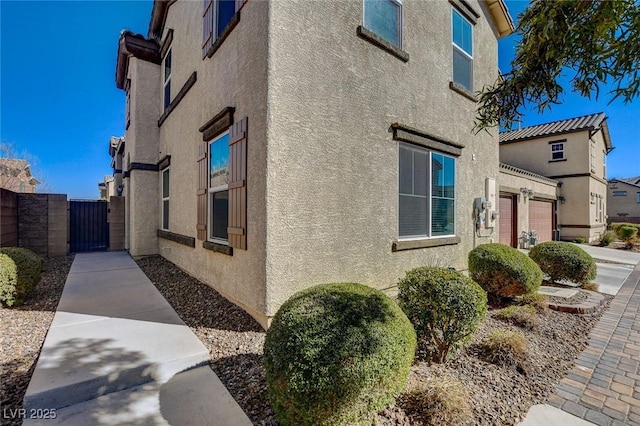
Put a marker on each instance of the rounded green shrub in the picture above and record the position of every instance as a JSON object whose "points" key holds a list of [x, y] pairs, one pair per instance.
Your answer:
{"points": [[444, 306], [21, 270], [564, 261], [503, 271], [627, 233], [607, 238], [337, 354]]}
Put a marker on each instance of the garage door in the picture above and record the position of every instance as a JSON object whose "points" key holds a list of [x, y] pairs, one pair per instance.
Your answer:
{"points": [[541, 219], [506, 219]]}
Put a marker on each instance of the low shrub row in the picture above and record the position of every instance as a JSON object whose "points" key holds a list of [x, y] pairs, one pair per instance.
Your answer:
{"points": [[20, 271]]}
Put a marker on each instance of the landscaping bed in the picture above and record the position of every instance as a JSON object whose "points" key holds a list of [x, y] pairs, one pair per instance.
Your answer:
{"points": [[24, 329], [498, 395]]}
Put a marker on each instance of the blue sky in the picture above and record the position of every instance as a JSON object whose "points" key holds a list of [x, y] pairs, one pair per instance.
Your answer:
{"points": [[59, 103]]}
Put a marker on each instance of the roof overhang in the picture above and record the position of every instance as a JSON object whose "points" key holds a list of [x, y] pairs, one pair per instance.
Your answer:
{"points": [[606, 136], [136, 45], [501, 17], [158, 18]]}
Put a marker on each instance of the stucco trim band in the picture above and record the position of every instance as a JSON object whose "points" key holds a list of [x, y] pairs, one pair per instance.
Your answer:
{"points": [[143, 166], [177, 238], [165, 162], [216, 125], [602, 225], [462, 91], [515, 171], [383, 44], [426, 243], [591, 175], [408, 134], [218, 248], [181, 94], [225, 33]]}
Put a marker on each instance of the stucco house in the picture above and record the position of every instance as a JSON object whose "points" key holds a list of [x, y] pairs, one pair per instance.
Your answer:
{"points": [[572, 152], [623, 200], [269, 149], [15, 175]]}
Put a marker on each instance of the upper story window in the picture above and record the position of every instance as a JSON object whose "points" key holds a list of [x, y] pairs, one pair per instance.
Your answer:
{"points": [[384, 17], [619, 193], [165, 199], [167, 81], [557, 151], [218, 189], [217, 15], [638, 197], [426, 193], [462, 37]]}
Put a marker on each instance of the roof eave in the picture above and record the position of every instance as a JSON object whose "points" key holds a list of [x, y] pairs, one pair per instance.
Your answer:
{"points": [[501, 17], [158, 18], [138, 46]]}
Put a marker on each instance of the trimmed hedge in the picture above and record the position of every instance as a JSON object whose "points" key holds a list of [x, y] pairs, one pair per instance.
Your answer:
{"points": [[444, 306], [336, 354], [564, 261], [503, 271], [20, 271], [627, 233], [616, 225]]}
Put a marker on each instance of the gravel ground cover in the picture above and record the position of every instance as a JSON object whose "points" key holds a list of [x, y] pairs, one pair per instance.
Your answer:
{"points": [[23, 330], [498, 395]]}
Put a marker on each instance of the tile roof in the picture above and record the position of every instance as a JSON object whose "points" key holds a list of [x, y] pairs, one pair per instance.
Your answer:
{"points": [[591, 121]]}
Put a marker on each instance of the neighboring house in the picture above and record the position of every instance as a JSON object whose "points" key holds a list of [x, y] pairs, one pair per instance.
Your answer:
{"points": [[269, 148], [116, 152], [623, 200], [527, 202], [574, 153], [15, 175], [107, 188]]}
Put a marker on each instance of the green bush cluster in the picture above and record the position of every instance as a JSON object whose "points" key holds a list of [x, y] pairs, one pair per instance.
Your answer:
{"points": [[336, 354], [607, 238], [444, 306], [503, 271], [580, 240], [627, 233], [20, 271], [564, 261], [616, 225]]}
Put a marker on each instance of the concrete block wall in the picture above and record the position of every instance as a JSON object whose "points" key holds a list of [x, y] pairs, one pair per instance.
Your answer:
{"points": [[58, 225], [8, 218], [33, 222], [115, 217]]}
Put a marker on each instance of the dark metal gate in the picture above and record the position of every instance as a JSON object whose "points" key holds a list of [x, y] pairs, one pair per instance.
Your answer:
{"points": [[88, 227]]}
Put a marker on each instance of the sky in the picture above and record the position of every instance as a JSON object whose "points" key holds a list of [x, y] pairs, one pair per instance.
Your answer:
{"points": [[59, 102]]}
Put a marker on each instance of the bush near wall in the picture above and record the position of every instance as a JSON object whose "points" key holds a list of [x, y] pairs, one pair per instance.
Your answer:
{"points": [[337, 354], [444, 306], [503, 271], [20, 273], [627, 234], [564, 261], [617, 225]]}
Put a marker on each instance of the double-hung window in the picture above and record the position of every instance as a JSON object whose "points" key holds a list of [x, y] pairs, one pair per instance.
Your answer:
{"points": [[462, 37], [384, 17], [557, 151], [426, 193], [165, 199], [167, 81], [218, 189]]}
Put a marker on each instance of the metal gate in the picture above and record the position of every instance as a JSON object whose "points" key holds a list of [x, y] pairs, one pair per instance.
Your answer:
{"points": [[88, 227]]}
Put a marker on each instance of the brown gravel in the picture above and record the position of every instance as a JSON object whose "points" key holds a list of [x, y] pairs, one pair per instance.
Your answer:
{"points": [[498, 395], [23, 331]]}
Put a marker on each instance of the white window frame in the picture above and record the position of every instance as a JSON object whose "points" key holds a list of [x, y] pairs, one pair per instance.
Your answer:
{"points": [[400, 23], [165, 170], [461, 50], [429, 195], [166, 80], [561, 150], [213, 190]]}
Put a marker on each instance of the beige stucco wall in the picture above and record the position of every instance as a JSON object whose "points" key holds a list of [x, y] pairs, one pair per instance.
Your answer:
{"points": [[332, 205], [234, 76], [510, 183], [621, 208]]}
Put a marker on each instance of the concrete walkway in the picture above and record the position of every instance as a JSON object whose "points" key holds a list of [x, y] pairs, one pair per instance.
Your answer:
{"points": [[117, 353], [603, 387]]}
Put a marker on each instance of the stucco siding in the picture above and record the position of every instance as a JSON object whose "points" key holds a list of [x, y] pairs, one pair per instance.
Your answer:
{"points": [[623, 207], [234, 76], [332, 164]]}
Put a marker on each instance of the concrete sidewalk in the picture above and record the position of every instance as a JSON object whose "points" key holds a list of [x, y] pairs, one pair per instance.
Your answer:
{"points": [[117, 353]]}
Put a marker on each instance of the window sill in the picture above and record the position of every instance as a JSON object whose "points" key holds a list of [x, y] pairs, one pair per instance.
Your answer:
{"points": [[557, 161], [218, 248], [461, 90], [181, 94], [227, 30], [178, 238], [425, 243], [383, 44]]}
